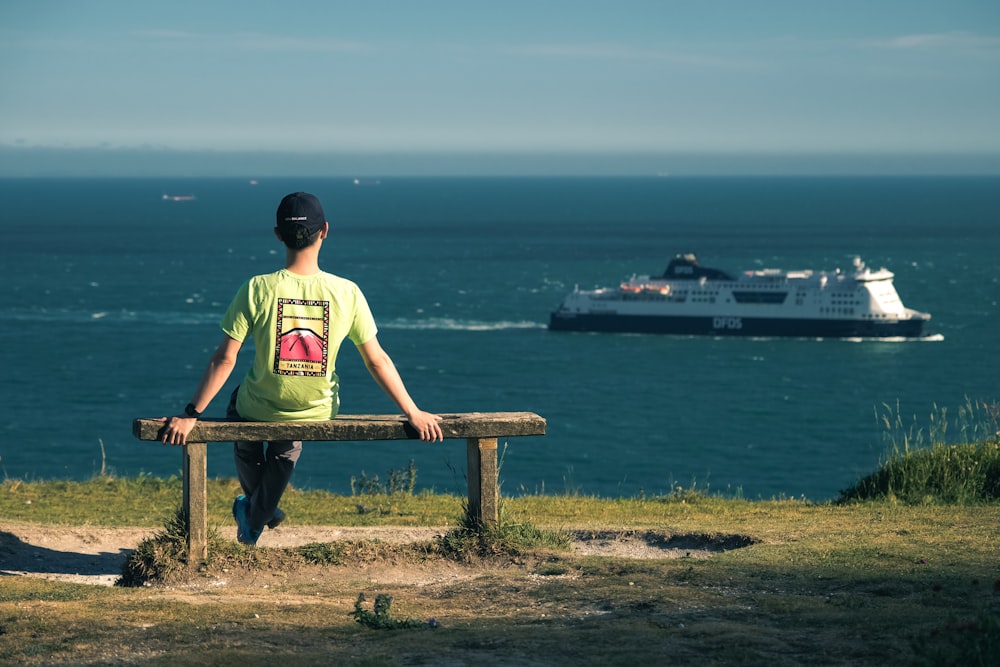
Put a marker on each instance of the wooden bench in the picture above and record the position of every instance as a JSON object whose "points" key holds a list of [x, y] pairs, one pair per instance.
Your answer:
{"points": [[479, 429]]}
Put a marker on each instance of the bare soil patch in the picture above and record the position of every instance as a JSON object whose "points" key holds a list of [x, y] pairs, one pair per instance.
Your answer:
{"points": [[95, 555]]}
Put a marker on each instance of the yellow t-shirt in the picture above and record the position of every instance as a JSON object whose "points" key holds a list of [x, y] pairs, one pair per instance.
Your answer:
{"points": [[298, 324]]}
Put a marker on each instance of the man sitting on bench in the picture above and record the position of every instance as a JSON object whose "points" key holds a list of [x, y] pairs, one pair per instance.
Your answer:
{"points": [[298, 318]]}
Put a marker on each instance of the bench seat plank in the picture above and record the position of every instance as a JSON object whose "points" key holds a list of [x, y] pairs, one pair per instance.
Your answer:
{"points": [[354, 428]]}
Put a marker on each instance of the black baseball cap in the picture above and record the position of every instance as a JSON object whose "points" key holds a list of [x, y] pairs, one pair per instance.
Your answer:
{"points": [[300, 217]]}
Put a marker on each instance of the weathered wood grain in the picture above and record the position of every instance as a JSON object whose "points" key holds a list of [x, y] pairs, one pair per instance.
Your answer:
{"points": [[354, 428], [484, 487], [195, 499]]}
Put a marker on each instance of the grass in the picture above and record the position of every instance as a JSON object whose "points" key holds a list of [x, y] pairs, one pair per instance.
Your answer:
{"points": [[922, 468], [150, 502], [867, 582], [942, 474]]}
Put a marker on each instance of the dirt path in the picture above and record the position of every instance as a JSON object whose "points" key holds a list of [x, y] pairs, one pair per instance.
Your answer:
{"points": [[95, 555]]}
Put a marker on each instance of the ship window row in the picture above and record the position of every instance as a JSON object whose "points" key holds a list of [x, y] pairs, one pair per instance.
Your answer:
{"points": [[836, 311], [759, 297]]}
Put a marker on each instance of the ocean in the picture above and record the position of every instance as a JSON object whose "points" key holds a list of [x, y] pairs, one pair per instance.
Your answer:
{"points": [[113, 295]]}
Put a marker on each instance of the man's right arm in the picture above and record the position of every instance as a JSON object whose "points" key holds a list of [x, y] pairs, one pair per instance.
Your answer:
{"points": [[384, 372]]}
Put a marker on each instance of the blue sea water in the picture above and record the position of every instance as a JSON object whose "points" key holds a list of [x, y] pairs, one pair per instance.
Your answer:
{"points": [[113, 294]]}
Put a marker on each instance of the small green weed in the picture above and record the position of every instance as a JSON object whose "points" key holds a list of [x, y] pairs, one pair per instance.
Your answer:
{"points": [[380, 618], [164, 555], [160, 556], [473, 539], [323, 553], [682, 495], [399, 481]]}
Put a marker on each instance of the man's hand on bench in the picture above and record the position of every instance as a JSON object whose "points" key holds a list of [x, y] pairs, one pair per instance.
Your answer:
{"points": [[176, 429], [427, 425]]}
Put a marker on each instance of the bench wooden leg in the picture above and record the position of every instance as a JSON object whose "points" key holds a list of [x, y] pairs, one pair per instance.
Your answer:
{"points": [[196, 500], [484, 494]]}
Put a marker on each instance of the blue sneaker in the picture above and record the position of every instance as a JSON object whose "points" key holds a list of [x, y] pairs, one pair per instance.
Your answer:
{"points": [[244, 533], [276, 520]]}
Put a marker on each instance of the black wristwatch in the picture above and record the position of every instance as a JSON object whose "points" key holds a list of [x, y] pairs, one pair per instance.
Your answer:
{"points": [[190, 411]]}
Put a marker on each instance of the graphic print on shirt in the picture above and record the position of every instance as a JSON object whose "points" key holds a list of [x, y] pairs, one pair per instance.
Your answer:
{"points": [[302, 337]]}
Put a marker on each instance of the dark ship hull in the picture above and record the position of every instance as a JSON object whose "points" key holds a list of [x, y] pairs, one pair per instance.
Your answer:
{"points": [[735, 326]]}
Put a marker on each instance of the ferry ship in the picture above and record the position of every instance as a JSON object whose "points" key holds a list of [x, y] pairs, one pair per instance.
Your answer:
{"points": [[689, 299]]}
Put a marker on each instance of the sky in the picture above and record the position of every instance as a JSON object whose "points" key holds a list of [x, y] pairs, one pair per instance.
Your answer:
{"points": [[520, 82]]}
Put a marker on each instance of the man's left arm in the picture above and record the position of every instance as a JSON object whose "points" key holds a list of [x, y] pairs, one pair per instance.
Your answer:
{"points": [[219, 368]]}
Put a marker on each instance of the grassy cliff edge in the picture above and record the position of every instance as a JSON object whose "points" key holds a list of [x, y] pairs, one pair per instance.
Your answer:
{"points": [[862, 582]]}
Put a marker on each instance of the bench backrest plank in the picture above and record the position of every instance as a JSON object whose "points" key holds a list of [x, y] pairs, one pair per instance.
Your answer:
{"points": [[354, 427]]}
